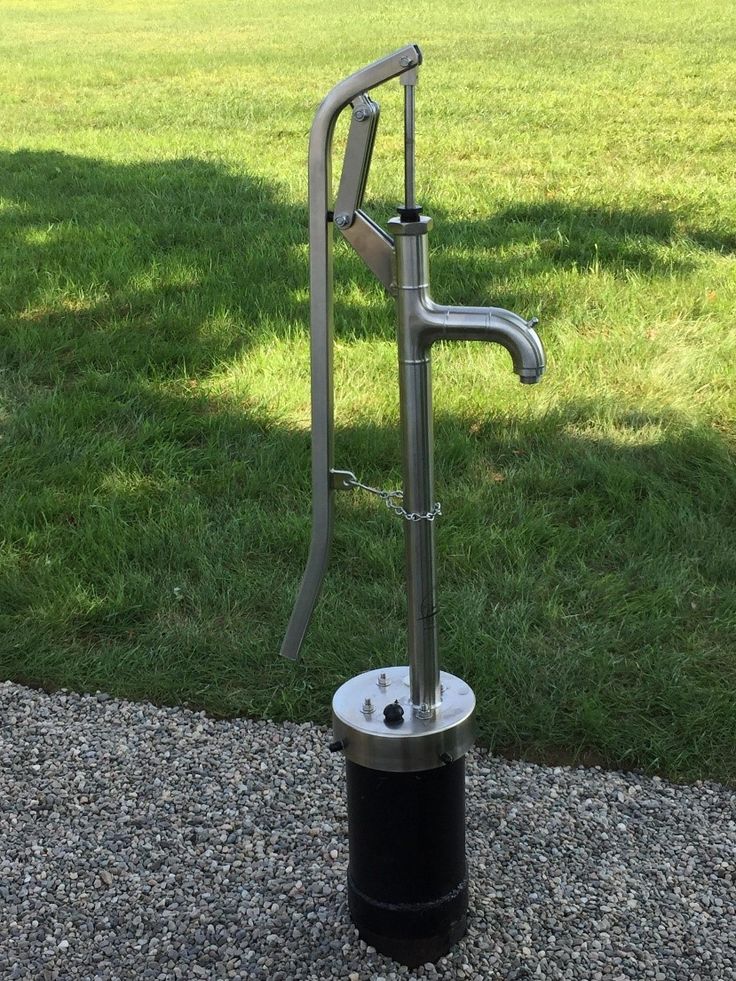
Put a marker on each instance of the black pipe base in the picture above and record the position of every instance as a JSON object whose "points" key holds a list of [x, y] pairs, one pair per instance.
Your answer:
{"points": [[407, 876], [420, 932]]}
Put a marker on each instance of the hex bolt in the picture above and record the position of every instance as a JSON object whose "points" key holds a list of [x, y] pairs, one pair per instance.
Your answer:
{"points": [[360, 115], [368, 707], [342, 221], [383, 680], [423, 712], [406, 61]]}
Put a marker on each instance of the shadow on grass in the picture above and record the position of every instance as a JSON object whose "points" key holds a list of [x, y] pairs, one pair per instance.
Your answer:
{"points": [[150, 266], [165, 265], [585, 234], [153, 536], [504, 258], [586, 586]]}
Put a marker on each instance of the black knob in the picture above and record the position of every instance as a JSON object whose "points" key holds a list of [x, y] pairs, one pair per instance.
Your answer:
{"points": [[393, 715], [337, 747]]}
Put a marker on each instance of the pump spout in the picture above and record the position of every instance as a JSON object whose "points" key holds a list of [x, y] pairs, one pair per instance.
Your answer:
{"points": [[423, 321], [494, 324]]}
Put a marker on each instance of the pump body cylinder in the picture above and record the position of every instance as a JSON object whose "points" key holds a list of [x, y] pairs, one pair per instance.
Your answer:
{"points": [[407, 874]]}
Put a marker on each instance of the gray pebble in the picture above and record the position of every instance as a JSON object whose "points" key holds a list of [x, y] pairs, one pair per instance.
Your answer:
{"points": [[156, 843]]}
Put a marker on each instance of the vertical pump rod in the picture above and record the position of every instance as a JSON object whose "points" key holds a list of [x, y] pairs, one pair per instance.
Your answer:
{"points": [[410, 202], [410, 209]]}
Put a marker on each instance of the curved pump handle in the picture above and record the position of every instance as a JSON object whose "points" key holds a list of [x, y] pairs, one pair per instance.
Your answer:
{"points": [[325, 480]]}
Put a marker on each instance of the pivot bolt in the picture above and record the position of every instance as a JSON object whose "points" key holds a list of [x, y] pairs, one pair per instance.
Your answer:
{"points": [[342, 221], [360, 115]]}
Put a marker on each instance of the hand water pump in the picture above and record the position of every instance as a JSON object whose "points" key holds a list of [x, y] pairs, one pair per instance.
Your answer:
{"points": [[404, 731]]}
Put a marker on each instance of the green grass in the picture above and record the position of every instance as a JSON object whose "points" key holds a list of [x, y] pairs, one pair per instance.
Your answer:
{"points": [[154, 384]]}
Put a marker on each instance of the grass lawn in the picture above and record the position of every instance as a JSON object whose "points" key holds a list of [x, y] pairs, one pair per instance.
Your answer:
{"points": [[579, 162]]}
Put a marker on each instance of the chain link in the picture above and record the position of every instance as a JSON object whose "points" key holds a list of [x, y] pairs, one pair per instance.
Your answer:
{"points": [[388, 498]]}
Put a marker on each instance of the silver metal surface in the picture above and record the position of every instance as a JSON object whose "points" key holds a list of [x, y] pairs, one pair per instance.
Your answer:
{"points": [[417, 454], [410, 197], [374, 247], [421, 322], [357, 160], [415, 744], [371, 242], [321, 333], [342, 480]]}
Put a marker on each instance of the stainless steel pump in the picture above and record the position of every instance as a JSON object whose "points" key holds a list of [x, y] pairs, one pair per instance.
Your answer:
{"points": [[404, 730]]}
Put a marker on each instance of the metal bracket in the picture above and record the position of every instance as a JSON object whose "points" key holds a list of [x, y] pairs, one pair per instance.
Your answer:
{"points": [[374, 247], [368, 239], [357, 160], [342, 480]]}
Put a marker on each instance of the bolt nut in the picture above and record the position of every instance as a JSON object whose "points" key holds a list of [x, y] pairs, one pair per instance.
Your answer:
{"points": [[360, 115], [383, 680], [342, 221], [368, 707], [406, 61]]}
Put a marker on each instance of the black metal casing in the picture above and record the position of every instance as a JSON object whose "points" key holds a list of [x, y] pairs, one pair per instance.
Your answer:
{"points": [[407, 876]]}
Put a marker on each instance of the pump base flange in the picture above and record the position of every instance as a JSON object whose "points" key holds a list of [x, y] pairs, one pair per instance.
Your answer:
{"points": [[410, 742]]}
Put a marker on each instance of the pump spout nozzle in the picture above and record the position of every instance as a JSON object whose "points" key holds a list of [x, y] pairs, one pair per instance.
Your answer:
{"points": [[424, 321], [494, 324]]}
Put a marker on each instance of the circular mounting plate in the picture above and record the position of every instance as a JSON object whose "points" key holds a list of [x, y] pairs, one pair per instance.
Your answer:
{"points": [[415, 744]]}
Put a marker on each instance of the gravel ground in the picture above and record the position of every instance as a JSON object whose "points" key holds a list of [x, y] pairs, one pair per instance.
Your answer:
{"points": [[138, 842]]}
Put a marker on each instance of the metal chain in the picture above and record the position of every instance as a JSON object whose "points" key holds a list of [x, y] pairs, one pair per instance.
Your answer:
{"points": [[388, 497]]}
